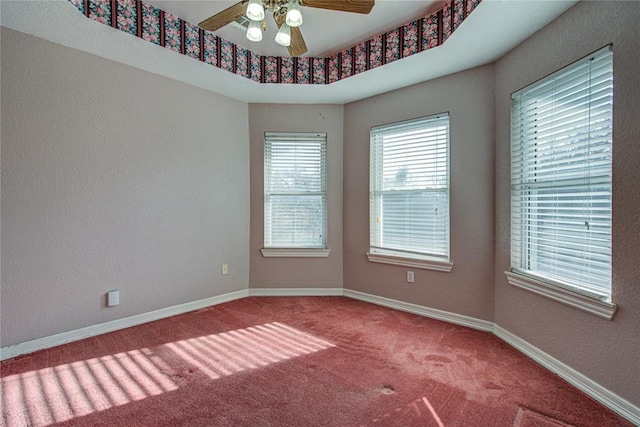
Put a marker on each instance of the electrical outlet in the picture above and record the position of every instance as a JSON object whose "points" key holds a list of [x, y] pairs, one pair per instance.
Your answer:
{"points": [[410, 277], [225, 269], [113, 298]]}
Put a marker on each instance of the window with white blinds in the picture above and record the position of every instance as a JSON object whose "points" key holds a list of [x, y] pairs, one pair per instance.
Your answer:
{"points": [[561, 152], [409, 188], [295, 169]]}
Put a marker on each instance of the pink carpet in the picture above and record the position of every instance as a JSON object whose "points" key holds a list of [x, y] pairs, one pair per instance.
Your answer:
{"points": [[292, 361]]}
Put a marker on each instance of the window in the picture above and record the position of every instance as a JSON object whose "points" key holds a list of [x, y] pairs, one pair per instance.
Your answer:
{"points": [[561, 152], [295, 212], [409, 193]]}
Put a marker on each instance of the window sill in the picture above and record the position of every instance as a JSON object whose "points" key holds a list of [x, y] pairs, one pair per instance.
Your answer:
{"points": [[424, 263], [294, 253], [591, 305]]}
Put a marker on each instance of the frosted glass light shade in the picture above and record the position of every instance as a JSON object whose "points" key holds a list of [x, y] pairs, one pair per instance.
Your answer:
{"points": [[294, 14], [283, 38], [254, 32], [255, 10]]}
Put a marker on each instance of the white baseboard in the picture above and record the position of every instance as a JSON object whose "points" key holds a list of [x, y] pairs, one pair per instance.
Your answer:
{"points": [[573, 377], [295, 292], [458, 319], [114, 325]]}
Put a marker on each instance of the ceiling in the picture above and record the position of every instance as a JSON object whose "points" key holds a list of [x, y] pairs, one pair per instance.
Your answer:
{"points": [[493, 29], [326, 32]]}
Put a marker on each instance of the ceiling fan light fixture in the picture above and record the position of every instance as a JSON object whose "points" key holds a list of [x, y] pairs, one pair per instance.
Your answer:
{"points": [[254, 31], [294, 14], [255, 10], [283, 38]]}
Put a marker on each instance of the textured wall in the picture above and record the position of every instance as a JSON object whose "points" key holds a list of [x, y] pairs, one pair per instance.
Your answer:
{"points": [[113, 178], [468, 289], [297, 272], [606, 351]]}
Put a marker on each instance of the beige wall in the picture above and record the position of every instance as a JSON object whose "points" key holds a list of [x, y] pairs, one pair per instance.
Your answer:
{"points": [[297, 272], [113, 178], [468, 288], [606, 351]]}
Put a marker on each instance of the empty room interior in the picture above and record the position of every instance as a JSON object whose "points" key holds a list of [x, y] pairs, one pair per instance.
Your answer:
{"points": [[163, 265]]}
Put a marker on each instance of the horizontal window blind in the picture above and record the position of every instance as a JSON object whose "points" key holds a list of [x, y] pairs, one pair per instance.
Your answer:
{"points": [[409, 187], [561, 169], [295, 169]]}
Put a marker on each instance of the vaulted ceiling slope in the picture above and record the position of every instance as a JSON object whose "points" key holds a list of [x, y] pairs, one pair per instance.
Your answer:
{"points": [[494, 28], [163, 28]]}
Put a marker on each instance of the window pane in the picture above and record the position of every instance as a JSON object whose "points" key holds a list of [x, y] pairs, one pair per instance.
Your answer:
{"points": [[415, 221], [409, 187], [295, 190], [561, 176], [296, 220]]}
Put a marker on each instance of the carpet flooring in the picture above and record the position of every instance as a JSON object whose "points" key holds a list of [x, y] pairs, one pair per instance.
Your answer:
{"points": [[292, 361]]}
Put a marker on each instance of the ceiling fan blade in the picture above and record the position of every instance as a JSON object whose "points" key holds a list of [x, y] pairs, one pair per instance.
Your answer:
{"points": [[354, 6], [298, 46], [225, 17]]}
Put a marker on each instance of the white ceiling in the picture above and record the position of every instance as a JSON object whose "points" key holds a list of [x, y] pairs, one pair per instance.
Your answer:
{"points": [[326, 32], [492, 30]]}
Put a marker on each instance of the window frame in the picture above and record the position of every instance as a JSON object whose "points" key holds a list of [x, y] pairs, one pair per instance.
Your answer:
{"points": [[303, 250], [525, 273], [409, 257]]}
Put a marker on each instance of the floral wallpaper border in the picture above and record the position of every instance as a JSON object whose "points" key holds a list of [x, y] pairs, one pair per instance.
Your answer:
{"points": [[154, 25]]}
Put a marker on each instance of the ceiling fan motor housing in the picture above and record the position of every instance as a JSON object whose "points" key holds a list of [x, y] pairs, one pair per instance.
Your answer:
{"points": [[295, 42]]}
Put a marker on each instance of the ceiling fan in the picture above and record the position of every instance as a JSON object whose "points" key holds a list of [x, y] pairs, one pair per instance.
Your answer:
{"points": [[287, 15]]}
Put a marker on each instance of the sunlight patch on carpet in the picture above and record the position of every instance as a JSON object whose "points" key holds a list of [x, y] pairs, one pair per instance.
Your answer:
{"points": [[422, 409], [56, 394], [255, 347], [528, 418], [432, 411]]}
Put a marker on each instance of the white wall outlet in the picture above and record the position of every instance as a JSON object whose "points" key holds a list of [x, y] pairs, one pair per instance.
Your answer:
{"points": [[225, 269], [113, 298], [410, 278]]}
